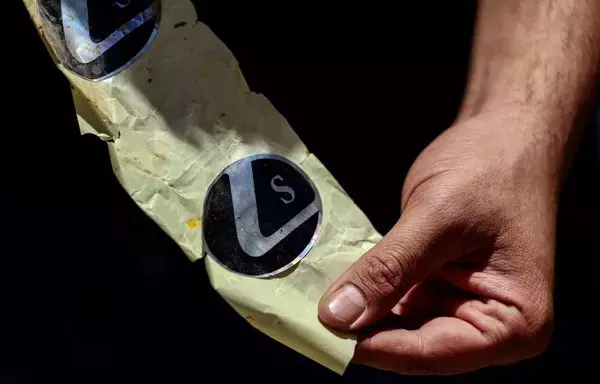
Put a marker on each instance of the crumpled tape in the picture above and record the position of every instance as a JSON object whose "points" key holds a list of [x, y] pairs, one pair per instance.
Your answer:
{"points": [[172, 121]]}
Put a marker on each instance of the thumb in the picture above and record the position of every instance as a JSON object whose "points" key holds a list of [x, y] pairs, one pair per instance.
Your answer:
{"points": [[380, 278]]}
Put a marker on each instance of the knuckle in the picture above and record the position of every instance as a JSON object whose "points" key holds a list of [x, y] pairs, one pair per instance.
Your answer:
{"points": [[381, 272], [438, 198], [420, 362], [447, 203], [536, 335]]}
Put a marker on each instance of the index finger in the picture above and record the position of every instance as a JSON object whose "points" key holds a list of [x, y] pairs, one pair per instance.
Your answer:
{"points": [[443, 345]]}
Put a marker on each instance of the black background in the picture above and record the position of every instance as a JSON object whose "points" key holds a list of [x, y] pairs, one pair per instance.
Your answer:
{"points": [[104, 296]]}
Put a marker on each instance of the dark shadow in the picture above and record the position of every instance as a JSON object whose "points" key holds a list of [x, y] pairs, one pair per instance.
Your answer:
{"points": [[105, 296]]}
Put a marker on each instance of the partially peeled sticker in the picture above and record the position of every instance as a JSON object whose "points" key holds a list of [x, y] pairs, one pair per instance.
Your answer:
{"points": [[97, 39]]}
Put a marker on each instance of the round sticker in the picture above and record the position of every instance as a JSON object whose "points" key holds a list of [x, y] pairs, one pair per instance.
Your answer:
{"points": [[98, 39], [262, 215]]}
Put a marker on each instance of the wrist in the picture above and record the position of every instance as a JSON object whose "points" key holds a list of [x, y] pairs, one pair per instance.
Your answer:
{"points": [[518, 117], [560, 107], [534, 142]]}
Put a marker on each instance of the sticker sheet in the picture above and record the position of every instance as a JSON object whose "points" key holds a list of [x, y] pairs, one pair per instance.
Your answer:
{"points": [[214, 164]]}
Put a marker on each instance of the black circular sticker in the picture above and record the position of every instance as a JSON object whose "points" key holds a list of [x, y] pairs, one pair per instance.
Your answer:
{"points": [[262, 214], [98, 38]]}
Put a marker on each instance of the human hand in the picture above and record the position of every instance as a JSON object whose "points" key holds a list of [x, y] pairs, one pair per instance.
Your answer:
{"points": [[465, 278]]}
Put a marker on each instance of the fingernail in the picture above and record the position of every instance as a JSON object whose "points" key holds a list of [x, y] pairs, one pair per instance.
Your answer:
{"points": [[347, 304]]}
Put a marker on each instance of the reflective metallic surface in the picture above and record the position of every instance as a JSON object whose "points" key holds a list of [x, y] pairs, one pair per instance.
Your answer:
{"points": [[246, 212], [97, 39], [246, 215], [77, 30]]}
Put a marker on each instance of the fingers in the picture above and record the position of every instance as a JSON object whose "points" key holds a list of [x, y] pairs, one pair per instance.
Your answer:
{"points": [[376, 282], [479, 334], [444, 345]]}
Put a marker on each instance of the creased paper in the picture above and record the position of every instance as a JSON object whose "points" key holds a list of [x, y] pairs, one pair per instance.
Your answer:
{"points": [[177, 117]]}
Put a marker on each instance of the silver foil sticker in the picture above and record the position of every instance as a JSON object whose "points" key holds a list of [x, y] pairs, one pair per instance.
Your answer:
{"points": [[262, 215], [97, 39]]}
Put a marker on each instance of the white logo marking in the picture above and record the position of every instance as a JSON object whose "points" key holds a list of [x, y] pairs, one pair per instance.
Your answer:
{"points": [[283, 189], [246, 212]]}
